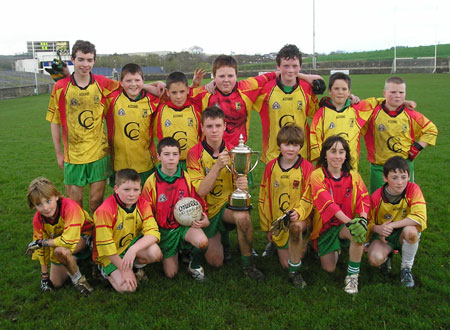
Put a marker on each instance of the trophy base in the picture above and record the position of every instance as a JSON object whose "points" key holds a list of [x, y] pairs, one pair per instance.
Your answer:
{"points": [[239, 208]]}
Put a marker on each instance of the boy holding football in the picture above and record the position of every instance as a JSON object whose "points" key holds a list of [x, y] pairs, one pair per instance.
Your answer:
{"points": [[397, 217], [206, 164], [126, 234], [60, 230], [128, 119], [179, 117], [285, 195], [164, 188], [395, 130]]}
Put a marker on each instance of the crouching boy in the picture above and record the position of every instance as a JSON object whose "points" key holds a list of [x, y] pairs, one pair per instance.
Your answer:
{"points": [[126, 234], [398, 216]]}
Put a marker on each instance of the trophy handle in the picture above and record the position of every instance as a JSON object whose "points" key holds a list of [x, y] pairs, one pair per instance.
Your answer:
{"points": [[257, 160]]}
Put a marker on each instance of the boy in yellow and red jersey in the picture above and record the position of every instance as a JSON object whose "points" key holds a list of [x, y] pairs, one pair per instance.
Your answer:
{"points": [[179, 117], [286, 100], [126, 234], [337, 116], [128, 119], [395, 129], [397, 218], [76, 112], [285, 192], [206, 165], [61, 229], [164, 189]]}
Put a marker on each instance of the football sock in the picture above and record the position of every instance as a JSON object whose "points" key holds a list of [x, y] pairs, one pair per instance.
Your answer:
{"points": [[75, 277], [245, 261], [353, 267], [408, 254], [294, 267], [138, 265], [197, 258]]}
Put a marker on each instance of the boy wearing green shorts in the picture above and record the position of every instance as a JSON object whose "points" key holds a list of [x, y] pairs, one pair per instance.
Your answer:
{"points": [[397, 217], [126, 234], [163, 189]]}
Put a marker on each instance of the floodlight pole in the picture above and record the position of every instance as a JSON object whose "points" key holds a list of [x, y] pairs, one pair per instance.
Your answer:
{"points": [[435, 56], [35, 75], [314, 60]]}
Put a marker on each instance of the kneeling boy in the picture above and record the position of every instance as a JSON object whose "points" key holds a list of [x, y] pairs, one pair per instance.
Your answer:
{"points": [[126, 233], [398, 216], [285, 190], [164, 189]]}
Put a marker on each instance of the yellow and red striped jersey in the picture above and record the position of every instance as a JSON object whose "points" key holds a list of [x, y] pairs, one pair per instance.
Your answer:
{"points": [[391, 134], [116, 227], [282, 190], [129, 130], [199, 161], [347, 122], [80, 112], [181, 123], [65, 230], [330, 195], [236, 105], [412, 206], [278, 108]]}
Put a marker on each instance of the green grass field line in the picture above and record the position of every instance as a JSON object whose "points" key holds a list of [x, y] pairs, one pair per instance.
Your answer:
{"points": [[227, 299]]}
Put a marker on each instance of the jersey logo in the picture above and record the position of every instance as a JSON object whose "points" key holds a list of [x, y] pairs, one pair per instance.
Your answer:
{"points": [[348, 192], [283, 201], [167, 123], [381, 128], [131, 130], [74, 102], [96, 99], [121, 112], [295, 184], [276, 184], [405, 128], [237, 106], [393, 144], [180, 194], [190, 122], [276, 106], [216, 191], [404, 213], [162, 198], [120, 226], [86, 119], [388, 216], [144, 113], [352, 121], [181, 137], [332, 125], [300, 105]]}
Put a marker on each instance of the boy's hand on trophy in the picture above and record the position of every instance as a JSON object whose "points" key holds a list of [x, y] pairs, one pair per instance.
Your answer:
{"points": [[241, 182]]}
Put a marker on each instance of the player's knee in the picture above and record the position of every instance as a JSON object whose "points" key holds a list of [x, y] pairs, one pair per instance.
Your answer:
{"points": [[203, 243], [170, 273], [329, 268], [284, 264], [411, 234], [243, 222], [62, 254], [376, 258], [295, 231], [215, 260]]}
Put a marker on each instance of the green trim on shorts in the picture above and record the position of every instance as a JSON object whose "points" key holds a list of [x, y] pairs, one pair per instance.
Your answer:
{"points": [[144, 176], [393, 240], [172, 241], [329, 241], [83, 174], [376, 175], [111, 267], [284, 247]]}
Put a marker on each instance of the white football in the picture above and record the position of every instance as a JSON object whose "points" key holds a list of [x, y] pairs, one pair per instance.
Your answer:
{"points": [[187, 210]]}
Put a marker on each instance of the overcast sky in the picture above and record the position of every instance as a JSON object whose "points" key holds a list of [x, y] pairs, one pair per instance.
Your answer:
{"points": [[239, 26]]}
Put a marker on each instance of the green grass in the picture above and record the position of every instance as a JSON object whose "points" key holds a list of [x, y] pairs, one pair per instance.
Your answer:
{"points": [[227, 299]]}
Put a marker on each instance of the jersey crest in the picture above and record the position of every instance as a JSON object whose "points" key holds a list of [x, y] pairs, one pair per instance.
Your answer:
{"points": [[121, 112], [162, 198], [276, 106], [167, 123]]}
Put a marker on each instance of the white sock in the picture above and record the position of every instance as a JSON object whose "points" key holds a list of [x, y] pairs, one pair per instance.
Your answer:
{"points": [[138, 265], [75, 277], [408, 254]]}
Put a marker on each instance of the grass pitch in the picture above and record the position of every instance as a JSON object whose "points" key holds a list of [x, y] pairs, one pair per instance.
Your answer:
{"points": [[227, 299]]}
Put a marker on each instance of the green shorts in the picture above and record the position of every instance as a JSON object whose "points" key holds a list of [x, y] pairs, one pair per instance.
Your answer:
{"points": [[106, 271], [376, 175], [144, 176], [329, 241], [172, 241], [216, 224], [393, 239], [82, 174]]}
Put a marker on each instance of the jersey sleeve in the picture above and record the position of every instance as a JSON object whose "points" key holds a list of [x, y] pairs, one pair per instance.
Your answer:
{"points": [[251, 87], [264, 200], [375, 200], [74, 219], [424, 129], [418, 209], [42, 254], [305, 205], [316, 134], [362, 203], [104, 222], [149, 225], [53, 106], [194, 166], [322, 198]]}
